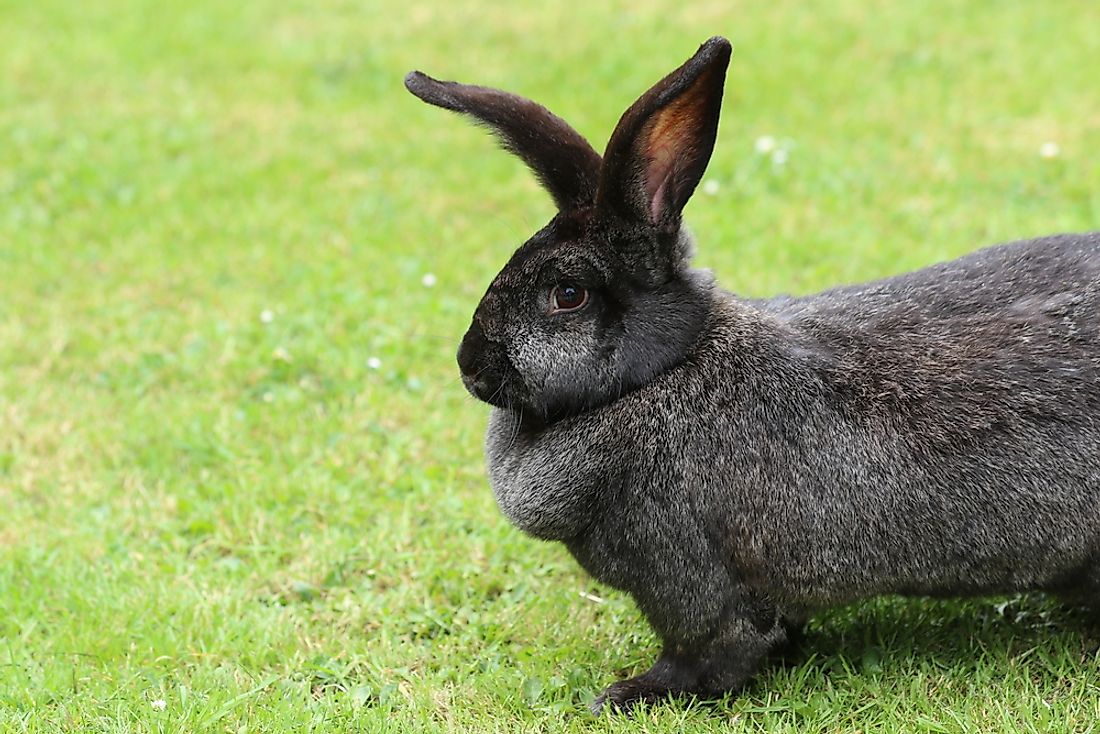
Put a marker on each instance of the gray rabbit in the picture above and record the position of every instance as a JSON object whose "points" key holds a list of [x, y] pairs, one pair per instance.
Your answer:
{"points": [[736, 465]]}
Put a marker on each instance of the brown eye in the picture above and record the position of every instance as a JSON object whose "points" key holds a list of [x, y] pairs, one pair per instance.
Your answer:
{"points": [[566, 298]]}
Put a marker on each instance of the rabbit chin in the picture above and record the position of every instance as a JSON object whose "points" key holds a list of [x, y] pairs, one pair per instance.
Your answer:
{"points": [[504, 390]]}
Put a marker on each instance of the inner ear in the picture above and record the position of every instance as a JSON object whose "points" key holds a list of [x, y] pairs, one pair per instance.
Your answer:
{"points": [[661, 146], [676, 154]]}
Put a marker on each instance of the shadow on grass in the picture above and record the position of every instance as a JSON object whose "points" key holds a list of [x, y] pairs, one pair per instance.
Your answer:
{"points": [[895, 636], [879, 649]]}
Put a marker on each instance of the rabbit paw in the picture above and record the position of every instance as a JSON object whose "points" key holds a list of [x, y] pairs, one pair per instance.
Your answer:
{"points": [[626, 694]]}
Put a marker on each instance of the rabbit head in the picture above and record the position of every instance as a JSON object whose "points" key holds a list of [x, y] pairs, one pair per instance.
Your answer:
{"points": [[602, 299]]}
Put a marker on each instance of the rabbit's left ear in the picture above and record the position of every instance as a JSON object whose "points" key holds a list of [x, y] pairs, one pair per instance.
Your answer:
{"points": [[662, 144], [559, 156]]}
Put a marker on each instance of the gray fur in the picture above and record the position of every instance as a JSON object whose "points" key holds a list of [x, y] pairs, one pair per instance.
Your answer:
{"points": [[736, 465]]}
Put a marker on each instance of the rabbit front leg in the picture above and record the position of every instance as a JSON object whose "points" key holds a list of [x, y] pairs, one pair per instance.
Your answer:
{"points": [[715, 630], [709, 667]]}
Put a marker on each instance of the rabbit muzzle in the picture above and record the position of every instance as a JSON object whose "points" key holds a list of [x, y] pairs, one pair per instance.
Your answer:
{"points": [[484, 367]]}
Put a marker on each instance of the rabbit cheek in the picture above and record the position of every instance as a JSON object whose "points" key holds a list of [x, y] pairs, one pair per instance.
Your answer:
{"points": [[562, 371]]}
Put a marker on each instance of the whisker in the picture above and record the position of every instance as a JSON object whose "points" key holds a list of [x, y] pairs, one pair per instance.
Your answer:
{"points": [[515, 429], [500, 388]]}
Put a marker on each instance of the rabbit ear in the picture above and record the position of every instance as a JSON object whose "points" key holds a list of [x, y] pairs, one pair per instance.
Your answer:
{"points": [[562, 160], [662, 144]]}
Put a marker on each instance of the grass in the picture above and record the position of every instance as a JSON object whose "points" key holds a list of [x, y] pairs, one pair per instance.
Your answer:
{"points": [[241, 484]]}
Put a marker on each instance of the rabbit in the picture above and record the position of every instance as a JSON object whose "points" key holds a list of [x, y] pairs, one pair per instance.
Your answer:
{"points": [[737, 465]]}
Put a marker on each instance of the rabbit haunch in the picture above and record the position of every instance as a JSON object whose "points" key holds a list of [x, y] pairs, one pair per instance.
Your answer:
{"points": [[737, 464]]}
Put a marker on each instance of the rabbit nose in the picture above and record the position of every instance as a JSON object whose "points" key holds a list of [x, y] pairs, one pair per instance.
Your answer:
{"points": [[471, 350]]}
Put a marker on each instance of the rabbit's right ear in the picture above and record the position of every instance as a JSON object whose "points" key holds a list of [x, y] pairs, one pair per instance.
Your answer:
{"points": [[563, 161], [662, 144]]}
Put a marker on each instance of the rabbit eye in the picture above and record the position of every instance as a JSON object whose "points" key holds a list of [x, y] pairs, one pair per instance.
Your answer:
{"points": [[565, 298]]}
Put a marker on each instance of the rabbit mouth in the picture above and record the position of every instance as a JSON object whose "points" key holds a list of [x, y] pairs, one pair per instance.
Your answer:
{"points": [[498, 384], [491, 384], [487, 388]]}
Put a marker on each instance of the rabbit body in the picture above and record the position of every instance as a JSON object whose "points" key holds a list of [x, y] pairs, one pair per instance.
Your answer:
{"points": [[935, 433], [737, 464]]}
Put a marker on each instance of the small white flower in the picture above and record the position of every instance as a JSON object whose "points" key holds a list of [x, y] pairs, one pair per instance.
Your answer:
{"points": [[374, 363], [780, 156], [269, 397], [281, 354], [764, 144], [710, 187], [160, 704], [267, 316], [428, 280], [1049, 150]]}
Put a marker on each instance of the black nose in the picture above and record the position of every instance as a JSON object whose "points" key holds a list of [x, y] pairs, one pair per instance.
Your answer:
{"points": [[482, 364], [471, 353]]}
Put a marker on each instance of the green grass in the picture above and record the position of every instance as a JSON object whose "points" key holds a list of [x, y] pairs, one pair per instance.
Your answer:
{"points": [[213, 215]]}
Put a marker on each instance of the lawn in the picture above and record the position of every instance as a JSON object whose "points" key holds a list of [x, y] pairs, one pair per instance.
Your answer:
{"points": [[241, 485]]}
